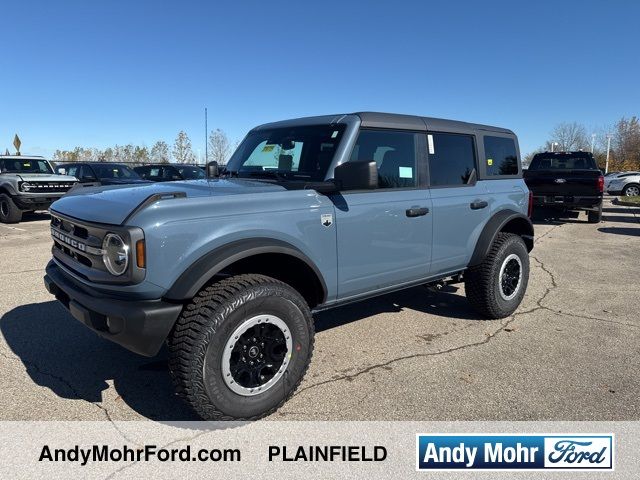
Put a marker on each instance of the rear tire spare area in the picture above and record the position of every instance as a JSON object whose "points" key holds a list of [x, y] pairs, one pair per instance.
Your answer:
{"points": [[241, 347], [9, 212], [496, 286]]}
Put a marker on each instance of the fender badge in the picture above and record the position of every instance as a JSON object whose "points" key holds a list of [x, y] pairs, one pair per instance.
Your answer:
{"points": [[326, 219]]}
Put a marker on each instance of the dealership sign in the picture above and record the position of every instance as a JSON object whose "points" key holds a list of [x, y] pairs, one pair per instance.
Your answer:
{"points": [[514, 452]]}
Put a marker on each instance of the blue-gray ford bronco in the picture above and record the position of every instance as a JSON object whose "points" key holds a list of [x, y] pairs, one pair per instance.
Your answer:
{"points": [[307, 215]]}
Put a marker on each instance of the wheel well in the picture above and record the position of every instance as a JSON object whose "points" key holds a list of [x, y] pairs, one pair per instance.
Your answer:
{"points": [[286, 268], [521, 227]]}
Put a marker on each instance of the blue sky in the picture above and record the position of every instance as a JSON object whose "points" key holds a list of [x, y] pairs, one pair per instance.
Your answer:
{"points": [[99, 73]]}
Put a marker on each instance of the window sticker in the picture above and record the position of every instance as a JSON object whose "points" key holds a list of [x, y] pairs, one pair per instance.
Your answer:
{"points": [[27, 165], [268, 148], [432, 150], [405, 172], [334, 134], [489, 161]]}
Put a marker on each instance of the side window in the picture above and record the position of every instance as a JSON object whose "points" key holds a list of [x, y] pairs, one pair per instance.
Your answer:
{"points": [[143, 171], [500, 155], [452, 159], [72, 171], [394, 153], [86, 172]]}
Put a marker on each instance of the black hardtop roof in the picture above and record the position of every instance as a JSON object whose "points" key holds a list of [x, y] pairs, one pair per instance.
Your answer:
{"points": [[391, 120]]}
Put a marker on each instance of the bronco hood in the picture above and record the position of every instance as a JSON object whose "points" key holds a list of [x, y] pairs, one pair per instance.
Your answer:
{"points": [[113, 204]]}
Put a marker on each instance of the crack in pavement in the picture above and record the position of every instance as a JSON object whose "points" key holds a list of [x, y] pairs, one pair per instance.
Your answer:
{"points": [[28, 364], [539, 306], [572, 314]]}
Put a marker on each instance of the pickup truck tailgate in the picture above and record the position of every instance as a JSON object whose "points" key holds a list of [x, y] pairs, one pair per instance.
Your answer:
{"points": [[563, 182]]}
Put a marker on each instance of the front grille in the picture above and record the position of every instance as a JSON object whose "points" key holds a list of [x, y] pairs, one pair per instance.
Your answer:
{"points": [[46, 187]]}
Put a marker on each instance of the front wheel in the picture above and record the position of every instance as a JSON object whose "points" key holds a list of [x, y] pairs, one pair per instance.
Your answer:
{"points": [[241, 347], [9, 212], [496, 287]]}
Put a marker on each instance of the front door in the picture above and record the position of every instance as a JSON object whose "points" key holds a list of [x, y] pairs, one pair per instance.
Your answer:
{"points": [[384, 235]]}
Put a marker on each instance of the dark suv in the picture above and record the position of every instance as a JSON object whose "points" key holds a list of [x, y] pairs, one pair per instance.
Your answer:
{"points": [[101, 173], [170, 172]]}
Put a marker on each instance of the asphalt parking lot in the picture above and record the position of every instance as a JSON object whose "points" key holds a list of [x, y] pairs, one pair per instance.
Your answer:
{"points": [[571, 352]]}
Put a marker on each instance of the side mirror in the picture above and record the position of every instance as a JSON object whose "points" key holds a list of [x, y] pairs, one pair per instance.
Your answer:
{"points": [[356, 176], [212, 169]]}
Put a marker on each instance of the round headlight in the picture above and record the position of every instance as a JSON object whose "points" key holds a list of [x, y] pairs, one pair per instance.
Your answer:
{"points": [[116, 254]]}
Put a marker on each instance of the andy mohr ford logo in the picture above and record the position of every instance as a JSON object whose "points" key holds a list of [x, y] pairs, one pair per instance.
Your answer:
{"points": [[514, 452]]}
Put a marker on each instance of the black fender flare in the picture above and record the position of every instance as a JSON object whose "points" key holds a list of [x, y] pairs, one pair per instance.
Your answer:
{"points": [[206, 267], [504, 220]]}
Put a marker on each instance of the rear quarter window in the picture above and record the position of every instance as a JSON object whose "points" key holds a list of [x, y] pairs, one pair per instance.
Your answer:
{"points": [[501, 157]]}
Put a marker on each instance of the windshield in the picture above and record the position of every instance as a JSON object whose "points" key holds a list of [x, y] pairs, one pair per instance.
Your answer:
{"points": [[298, 153], [562, 162], [191, 173], [114, 171], [23, 165]]}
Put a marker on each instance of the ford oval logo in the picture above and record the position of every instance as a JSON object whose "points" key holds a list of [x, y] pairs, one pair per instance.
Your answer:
{"points": [[560, 180]]}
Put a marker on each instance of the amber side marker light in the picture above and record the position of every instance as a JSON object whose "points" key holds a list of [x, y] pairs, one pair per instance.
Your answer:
{"points": [[140, 254]]}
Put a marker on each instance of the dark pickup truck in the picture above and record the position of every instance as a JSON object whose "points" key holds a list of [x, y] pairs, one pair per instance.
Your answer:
{"points": [[567, 181]]}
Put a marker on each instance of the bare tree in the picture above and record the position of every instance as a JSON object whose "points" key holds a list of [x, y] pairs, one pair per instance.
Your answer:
{"points": [[219, 147], [568, 136], [182, 148], [160, 152], [626, 144]]}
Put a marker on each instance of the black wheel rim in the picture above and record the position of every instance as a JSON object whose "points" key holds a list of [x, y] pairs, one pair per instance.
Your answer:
{"points": [[510, 278], [256, 355]]}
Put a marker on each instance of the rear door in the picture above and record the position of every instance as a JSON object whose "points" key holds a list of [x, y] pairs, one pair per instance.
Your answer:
{"points": [[460, 204], [384, 235]]}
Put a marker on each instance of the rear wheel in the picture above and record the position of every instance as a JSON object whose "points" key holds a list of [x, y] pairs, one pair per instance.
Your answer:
{"points": [[9, 212], [631, 190], [496, 287], [595, 216], [241, 347]]}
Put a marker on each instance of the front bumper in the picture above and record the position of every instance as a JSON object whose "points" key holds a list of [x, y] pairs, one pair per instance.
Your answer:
{"points": [[138, 325], [570, 202], [41, 201]]}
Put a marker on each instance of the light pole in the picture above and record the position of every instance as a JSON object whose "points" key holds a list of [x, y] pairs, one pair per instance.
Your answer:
{"points": [[553, 144], [606, 165], [593, 142], [206, 137]]}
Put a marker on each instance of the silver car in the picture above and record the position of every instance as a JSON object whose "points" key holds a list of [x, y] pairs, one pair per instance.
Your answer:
{"points": [[625, 183]]}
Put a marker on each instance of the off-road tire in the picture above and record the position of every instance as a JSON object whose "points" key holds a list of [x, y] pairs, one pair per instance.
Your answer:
{"points": [[595, 216], [9, 212], [206, 324], [482, 281]]}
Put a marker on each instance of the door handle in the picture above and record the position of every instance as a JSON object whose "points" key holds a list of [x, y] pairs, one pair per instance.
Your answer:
{"points": [[417, 211], [478, 204]]}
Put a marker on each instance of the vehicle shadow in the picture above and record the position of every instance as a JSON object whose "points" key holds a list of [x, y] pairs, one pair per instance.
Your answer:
{"points": [[633, 232], [443, 303], [64, 356], [621, 219], [35, 216]]}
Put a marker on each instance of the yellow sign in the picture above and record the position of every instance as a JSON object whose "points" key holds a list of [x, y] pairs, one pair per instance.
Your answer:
{"points": [[17, 143], [268, 148], [489, 161]]}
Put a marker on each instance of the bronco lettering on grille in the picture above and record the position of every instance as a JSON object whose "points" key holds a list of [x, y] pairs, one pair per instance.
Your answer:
{"points": [[68, 240]]}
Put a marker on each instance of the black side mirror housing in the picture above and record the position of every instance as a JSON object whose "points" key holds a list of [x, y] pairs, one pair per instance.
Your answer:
{"points": [[213, 170], [356, 176]]}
